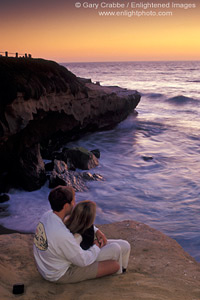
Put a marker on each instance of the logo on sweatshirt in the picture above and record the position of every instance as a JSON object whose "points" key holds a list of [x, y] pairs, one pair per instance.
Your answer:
{"points": [[40, 238]]}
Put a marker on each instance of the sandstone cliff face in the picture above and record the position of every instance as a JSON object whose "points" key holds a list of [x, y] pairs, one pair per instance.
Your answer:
{"points": [[42, 102]]}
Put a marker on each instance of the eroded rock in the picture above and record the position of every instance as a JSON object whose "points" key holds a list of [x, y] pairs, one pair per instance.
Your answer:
{"points": [[62, 176], [80, 157], [42, 102], [4, 198], [29, 172]]}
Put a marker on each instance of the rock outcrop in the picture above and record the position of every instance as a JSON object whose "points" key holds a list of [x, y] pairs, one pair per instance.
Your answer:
{"points": [[80, 158], [42, 103], [30, 169], [159, 269], [4, 198], [62, 176]]}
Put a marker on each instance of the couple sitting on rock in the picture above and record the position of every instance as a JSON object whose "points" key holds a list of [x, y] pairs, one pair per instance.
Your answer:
{"points": [[68, 248]]}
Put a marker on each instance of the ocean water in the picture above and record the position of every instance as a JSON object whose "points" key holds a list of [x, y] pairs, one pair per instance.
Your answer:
{"points": [[150, 162]]}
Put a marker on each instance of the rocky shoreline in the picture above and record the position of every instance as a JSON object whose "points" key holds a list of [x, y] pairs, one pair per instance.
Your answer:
{"points": [[43, 106], [159, 269]]}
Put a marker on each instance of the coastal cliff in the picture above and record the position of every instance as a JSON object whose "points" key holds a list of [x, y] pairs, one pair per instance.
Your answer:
{"points": [[42, 104], [159, 269]]}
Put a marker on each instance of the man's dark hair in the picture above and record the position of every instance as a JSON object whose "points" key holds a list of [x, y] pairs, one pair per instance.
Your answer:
{"points": [[61, 195]]}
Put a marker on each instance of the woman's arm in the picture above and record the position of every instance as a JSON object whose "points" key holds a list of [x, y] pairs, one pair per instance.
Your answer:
{"points": [[101, 237]]}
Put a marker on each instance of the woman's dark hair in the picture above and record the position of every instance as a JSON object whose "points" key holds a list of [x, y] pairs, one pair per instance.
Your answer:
{"points": [[82, 217], [61, 195]]}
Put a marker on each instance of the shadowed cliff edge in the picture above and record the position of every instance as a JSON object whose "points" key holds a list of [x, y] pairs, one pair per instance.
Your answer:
{"points": [[42, 106], [159, 269]]}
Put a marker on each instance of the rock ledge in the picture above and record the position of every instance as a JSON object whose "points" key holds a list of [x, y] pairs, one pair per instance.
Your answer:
{"points": [[44, 104], [159, 269]]}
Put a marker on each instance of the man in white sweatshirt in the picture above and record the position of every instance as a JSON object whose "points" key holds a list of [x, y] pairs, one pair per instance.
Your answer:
{"points": [[58, 256]]}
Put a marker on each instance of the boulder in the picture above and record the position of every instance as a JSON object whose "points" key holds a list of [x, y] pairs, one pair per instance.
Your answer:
{"points": [[60, 167], [80, 157], [4, 198], [62, 176], [96, 152], [71, 178], [147, 158], [94, 177]]}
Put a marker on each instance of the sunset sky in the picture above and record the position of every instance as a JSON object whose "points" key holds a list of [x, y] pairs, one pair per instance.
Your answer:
{"points": [[57, 30]]}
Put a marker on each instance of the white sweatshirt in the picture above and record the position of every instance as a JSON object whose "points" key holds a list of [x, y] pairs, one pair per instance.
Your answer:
{"points": [[55, 248]]}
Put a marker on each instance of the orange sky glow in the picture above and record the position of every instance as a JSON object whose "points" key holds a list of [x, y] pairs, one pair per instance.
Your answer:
{"points": [[57, 30]]}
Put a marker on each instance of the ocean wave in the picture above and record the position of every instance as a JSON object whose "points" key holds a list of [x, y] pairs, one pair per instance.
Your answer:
{"points": [[129, 123], [196, 81], [179, 100], [147, 128], [150, 128], [154, 95]]}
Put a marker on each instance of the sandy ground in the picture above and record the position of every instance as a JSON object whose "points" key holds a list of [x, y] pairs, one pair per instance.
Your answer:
{"points": [[159, 269]]}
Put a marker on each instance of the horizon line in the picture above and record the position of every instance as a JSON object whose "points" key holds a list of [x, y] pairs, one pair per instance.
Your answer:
{"points": [[126, 61]]}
